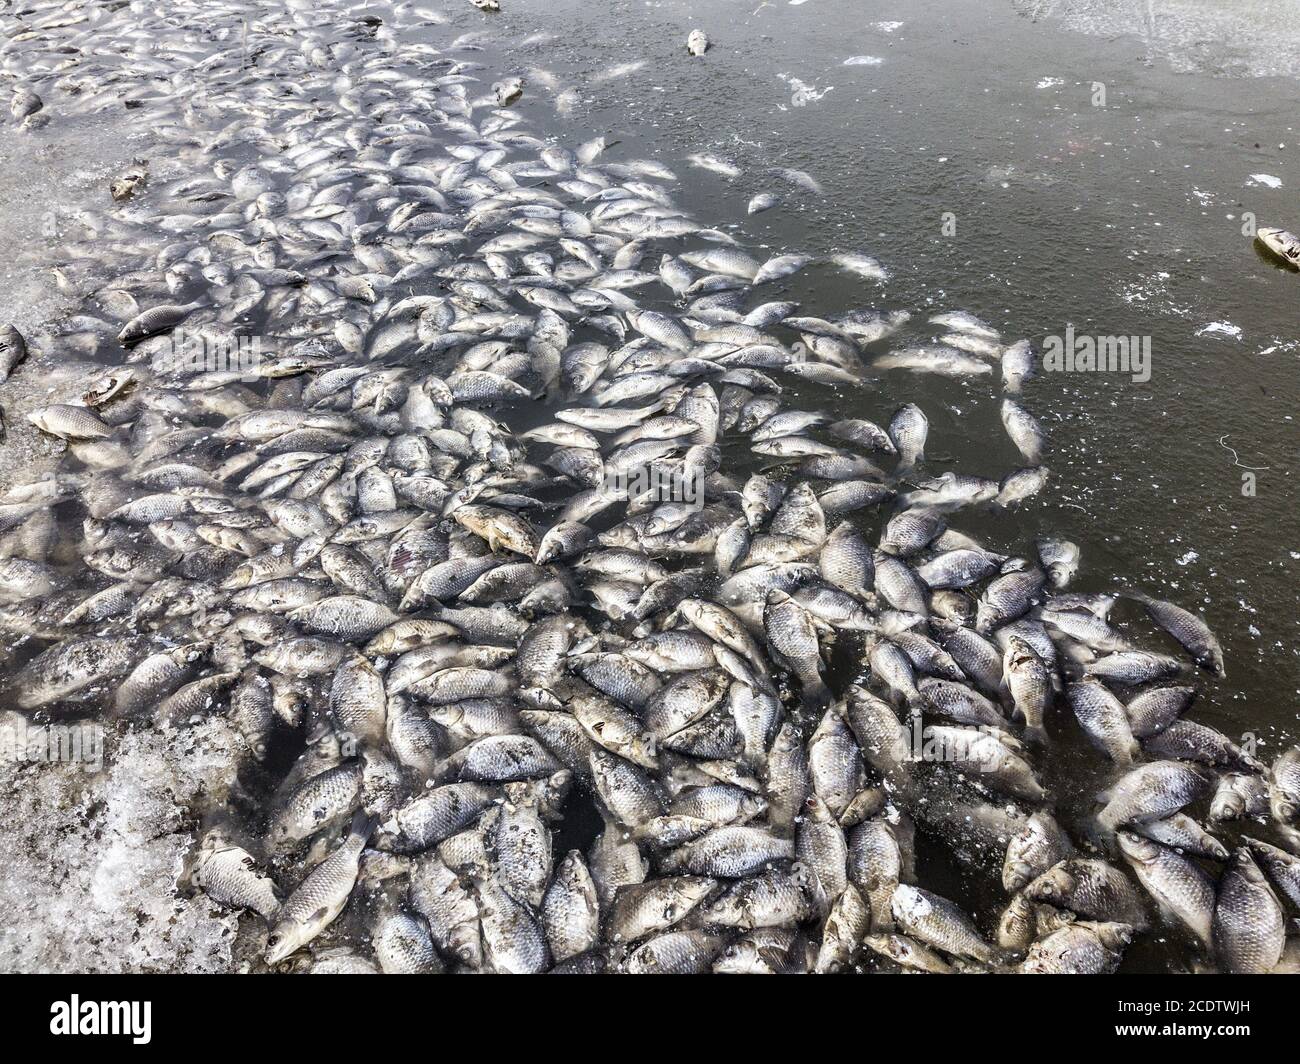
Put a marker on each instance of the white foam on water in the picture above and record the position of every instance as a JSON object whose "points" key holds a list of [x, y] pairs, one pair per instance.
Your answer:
{"points": [[1220, 328], [801, 93]]}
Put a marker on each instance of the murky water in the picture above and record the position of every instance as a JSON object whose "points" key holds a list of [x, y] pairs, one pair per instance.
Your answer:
{"points": [[1042, 165], [1122, 219]]}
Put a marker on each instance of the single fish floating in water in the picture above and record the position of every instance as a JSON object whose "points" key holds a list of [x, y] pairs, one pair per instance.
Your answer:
{"points": [[1281, 244]]}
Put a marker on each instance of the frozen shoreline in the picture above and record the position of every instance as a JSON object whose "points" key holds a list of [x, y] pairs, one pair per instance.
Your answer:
{"points": [[89, 860]]}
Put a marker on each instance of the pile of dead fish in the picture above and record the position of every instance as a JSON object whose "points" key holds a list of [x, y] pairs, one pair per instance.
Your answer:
{"points": [[529, 681]]}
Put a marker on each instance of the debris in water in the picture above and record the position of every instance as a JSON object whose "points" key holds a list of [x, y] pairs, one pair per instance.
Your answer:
{"points": [[802, 94], [1220, 328]]}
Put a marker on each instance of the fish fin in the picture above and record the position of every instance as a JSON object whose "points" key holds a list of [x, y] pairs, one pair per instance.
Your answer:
{"points": [[816, 695], [363, 825], [1136, 596]]}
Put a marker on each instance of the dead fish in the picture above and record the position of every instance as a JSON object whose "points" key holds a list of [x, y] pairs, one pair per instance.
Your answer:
{"points": [[13, 350], [1281, 244], [130, 181], [507, 91]]}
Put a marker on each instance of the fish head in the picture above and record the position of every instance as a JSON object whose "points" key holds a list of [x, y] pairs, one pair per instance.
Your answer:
{"points": [[1053, 886]]}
